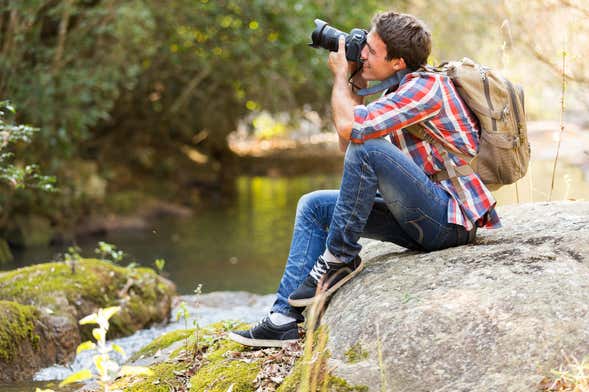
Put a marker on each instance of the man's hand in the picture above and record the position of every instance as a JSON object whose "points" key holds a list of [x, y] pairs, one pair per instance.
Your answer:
{"points": [[340, 66], [337, 62]]}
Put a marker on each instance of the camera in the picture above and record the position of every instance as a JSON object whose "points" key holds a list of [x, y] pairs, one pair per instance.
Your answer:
{"points": [[325, 36]]}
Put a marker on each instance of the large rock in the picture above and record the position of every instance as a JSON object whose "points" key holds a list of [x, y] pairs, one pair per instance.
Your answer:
{"points": [[40, 307], [496, 315]]}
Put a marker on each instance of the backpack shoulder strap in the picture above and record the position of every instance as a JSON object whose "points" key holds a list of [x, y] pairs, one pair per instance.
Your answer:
{"points": [[451, 171]]}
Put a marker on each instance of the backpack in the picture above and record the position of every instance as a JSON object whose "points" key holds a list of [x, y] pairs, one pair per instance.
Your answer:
{"points": [[504, 150]]}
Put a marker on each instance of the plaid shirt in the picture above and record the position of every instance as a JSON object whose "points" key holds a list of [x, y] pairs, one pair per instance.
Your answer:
{"points": [[432, 101]]}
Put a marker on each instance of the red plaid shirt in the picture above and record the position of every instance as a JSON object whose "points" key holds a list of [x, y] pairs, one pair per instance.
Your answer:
{"points": [[431, 100]]}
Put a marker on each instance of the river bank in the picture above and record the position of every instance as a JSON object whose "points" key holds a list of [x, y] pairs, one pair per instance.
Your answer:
{"points": [[202, 310]]}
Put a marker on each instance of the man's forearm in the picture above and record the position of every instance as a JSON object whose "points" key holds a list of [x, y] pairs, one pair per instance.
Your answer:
{"points": [[343, 101]]}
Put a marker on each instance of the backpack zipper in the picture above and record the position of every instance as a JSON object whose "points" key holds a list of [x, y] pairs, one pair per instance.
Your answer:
{"points": [[514, 108], [485, 81]]}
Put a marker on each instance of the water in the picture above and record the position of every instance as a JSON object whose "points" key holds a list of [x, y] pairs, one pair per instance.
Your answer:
{"points": [[241, 244]]}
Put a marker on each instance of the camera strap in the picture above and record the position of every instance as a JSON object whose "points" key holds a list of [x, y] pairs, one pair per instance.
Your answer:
{"points": [[391, 83]]}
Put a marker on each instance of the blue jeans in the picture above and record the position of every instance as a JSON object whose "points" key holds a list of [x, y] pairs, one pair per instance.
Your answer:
{"points": [[383, 195]]}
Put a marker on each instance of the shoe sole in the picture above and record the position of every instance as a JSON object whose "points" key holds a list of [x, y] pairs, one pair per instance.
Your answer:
{"points": [[259, 342], [310, 301]]}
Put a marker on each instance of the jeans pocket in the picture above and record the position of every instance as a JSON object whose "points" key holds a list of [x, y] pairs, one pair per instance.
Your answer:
{"points": [[425, 230], [458, 236]]}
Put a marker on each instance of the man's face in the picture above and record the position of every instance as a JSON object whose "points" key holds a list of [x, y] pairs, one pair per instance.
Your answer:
{"points": [[375, 65]]}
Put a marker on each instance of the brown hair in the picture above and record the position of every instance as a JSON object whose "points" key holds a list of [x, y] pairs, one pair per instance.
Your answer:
{"points": [[405, 36]]}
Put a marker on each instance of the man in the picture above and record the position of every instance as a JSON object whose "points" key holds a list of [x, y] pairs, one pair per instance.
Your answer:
{"points": [[387, 190]]}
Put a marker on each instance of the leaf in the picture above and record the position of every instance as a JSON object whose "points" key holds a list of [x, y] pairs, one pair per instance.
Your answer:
{"points": [[90, 319], [82, 375], [118, 349], [99, 334], [109, 312], [135, 371], [87, 345]]}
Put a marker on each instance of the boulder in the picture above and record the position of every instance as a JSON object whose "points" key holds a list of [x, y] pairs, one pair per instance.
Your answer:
{"points": [[496, 315], [40, 307]]}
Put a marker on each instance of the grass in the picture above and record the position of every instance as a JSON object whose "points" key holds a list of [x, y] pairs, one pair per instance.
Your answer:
{"points": [[574, 378], [562, 110]]}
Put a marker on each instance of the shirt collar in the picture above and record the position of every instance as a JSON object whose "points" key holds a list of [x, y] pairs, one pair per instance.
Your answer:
{"points": [[390, 84]]}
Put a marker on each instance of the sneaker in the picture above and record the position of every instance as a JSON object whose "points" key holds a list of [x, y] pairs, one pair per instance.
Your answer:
{"points": [[328, 277], [267, 334]]}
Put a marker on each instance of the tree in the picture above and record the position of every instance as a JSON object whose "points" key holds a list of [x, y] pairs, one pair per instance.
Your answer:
{"points": [[16, 175]]}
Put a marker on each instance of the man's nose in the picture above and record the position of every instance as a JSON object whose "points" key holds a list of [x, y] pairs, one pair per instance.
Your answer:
{"points": [[364, 53]]}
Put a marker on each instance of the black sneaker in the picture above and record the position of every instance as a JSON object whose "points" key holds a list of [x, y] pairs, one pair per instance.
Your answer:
{"points": [[267, 334], [328, 277]]}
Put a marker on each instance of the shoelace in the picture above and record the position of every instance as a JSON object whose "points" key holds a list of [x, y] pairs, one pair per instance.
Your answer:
{"points": [[319, 269]]}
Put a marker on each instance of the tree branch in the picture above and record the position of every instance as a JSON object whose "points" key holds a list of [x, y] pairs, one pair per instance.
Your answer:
{"points": [[568, 3], [554, 67], [63, 26], [182, 100]]}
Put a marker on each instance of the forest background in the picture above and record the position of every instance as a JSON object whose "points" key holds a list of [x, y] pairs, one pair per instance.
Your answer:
{"points": [[137, 97]]}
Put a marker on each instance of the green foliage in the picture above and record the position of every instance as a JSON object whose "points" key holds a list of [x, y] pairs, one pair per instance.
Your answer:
{"points": [[109, 252], [107, 369], [355, 353], [134, 85], [159, 265], [16, 175], [131, 83], [72, 255]]}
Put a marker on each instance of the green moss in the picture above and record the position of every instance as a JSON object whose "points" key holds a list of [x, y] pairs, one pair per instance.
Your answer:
{"points": [[163, 379], [218, 372], [162, 342], [222, 374], [355, 353], [337, 384], [17, 326]]}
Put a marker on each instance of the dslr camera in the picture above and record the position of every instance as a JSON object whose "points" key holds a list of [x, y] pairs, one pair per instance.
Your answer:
{"points": [[325, 36]]}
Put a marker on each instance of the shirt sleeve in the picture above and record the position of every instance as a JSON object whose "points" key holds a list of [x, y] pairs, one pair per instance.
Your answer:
{"points": [[416, 100]]}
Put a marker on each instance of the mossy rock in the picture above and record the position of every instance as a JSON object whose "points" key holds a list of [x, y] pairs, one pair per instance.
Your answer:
{"points": [[61, 294], [59, 288], [17, 329], [29, 340]]}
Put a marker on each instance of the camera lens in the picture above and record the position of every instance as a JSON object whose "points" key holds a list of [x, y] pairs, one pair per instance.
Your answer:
{"points": [[325, 36]]}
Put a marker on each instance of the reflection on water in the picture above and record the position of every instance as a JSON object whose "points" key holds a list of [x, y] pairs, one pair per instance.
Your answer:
{"points": [[243, 244]]}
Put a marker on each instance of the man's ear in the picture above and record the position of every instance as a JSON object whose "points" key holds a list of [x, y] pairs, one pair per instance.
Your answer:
{"points": [[399, 64]]}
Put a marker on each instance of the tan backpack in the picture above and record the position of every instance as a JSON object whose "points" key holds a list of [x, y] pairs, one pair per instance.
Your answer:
{"points": [[504, 150]]}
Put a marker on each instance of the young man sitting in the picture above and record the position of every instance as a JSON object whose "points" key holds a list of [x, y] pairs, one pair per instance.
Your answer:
{"points": [[388, 189]]}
